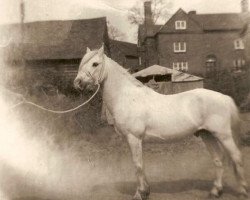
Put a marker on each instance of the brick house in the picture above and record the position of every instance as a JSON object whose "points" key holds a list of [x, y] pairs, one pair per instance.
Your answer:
{"points": [[197, 43]]}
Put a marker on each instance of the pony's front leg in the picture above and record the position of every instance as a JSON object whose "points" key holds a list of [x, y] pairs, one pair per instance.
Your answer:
{"points": [[143, 189]]}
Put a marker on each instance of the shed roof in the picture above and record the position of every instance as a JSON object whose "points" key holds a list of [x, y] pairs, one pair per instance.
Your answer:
{"points": [[54, 39], [126, 48], [177, 76]]}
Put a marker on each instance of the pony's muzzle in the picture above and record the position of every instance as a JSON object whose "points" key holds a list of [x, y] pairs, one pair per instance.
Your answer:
{"points": [[79, 84]]}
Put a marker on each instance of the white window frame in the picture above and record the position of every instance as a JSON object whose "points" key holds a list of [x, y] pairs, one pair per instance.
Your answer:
{"points": [[184, 66], [180, 47], [238, 44], [176, 66], [180, 66], [180, 25], [239, 64]]}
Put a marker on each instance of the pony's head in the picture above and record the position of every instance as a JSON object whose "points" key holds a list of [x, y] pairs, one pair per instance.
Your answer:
{"points": [[91, 69]]}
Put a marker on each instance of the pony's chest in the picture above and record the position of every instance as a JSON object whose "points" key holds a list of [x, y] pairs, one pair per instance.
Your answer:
{"points": [[129, 114]]}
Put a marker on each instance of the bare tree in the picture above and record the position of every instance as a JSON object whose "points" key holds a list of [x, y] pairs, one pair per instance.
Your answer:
{"points": [[114, 33], [160, 11]]}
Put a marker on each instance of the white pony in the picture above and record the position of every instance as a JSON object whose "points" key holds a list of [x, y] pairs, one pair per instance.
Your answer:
{"points": [[139, 111]]}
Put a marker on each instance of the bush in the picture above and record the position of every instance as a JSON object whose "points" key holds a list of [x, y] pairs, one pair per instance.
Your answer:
{"points": [[53, 90], [236, 85]]}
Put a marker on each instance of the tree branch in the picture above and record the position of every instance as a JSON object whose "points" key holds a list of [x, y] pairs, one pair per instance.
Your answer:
{"points": [[160, 11]]}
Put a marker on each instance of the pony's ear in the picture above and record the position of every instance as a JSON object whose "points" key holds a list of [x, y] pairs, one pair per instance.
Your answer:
{"points": [[101, 50], [88, 50]]}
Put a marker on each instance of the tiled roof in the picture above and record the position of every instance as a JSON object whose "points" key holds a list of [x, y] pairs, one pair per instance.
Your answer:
{"points": [[142, 31], [210, 22], [177, 76], [54, 39]]}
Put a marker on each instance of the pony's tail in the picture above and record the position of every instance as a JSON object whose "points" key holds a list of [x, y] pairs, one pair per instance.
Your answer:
{"points": [[236, 129], [236, 123]]}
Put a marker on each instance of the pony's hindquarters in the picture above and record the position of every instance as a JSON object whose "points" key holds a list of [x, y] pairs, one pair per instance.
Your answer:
{"points": [[228, 136], [222, 121]]}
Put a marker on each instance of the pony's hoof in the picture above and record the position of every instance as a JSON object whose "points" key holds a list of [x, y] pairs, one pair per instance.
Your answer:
{"points": [[139, 195], [244, 195], [215, 193]]}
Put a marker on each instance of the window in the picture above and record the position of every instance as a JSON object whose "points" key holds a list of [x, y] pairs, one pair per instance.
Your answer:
{"points": [[180, 47], [180, 66], [238, 44], [180, 25], [211, 65], [184, 66], [239, 64], [176, 66]]}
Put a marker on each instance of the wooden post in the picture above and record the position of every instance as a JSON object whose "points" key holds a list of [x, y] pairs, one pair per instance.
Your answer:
{"points": [[22, 18]]}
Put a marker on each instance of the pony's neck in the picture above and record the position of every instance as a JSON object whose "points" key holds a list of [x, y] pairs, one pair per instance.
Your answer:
{"points": [[117, 78]]}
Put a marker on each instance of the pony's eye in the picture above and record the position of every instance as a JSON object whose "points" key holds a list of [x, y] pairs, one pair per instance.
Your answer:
{"points": [[95, 64]]}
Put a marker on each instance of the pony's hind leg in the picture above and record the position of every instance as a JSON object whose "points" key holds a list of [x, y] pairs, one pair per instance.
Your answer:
{"points": [[235, 154], [143, 189], [216, 152]]}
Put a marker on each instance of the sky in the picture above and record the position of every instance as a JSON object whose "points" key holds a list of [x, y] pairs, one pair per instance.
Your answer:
{"points": [[116, 11]]}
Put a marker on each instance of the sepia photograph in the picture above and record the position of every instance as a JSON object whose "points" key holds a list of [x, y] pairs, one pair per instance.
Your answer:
{"points": [[124, 99]]}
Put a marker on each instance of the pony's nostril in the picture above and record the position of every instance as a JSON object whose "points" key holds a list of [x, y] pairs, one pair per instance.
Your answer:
{"points": [[77, 83]]}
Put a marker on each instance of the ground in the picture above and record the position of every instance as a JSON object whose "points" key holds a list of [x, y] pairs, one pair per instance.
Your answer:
{"points": [[187, 175], [180, 170]]}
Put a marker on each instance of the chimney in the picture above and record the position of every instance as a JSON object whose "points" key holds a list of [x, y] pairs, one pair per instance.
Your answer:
{"points": [[244, 6], [192, 12], [148, 14]]}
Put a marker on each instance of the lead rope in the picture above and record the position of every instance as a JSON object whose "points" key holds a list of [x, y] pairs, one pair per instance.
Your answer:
{"points": [[56, 111], [97, 82]]}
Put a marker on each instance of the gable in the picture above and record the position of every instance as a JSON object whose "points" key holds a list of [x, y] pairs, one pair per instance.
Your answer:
{"points": [[181, 15]]}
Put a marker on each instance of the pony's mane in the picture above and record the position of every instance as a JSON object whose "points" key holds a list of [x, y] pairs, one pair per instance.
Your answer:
{"points": [[127, 74]]}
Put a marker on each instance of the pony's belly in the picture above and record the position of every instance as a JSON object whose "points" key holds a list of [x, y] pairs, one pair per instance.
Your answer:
{"points": [[173, 132]]}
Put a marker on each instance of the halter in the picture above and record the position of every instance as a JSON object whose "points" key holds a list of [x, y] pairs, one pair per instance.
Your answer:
{"points": [[98, 81]]}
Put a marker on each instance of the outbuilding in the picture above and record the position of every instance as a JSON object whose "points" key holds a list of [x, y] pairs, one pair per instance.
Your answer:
{"points": [[168, 81]]}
